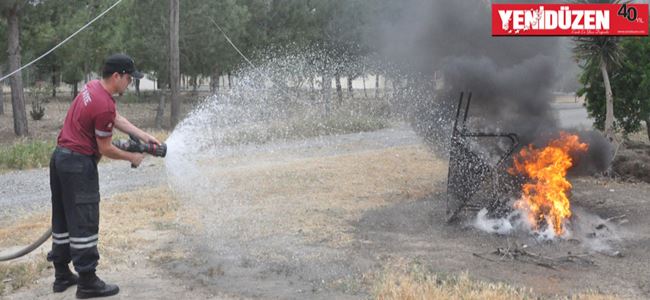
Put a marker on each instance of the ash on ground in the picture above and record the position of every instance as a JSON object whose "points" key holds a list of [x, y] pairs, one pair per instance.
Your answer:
{"points": [[593, 233]]}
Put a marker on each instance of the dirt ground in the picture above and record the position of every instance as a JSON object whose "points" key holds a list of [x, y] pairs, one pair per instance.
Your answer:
{"points": [[326, 221], [632, 161], [322, 227]]}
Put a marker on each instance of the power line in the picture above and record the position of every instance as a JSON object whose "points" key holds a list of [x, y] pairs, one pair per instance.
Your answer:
{"points": [[232, 44], [61, 43], [248, 60]]}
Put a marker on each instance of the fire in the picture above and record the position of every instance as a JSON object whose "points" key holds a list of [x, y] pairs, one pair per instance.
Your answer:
{"points": [[545, 193]]}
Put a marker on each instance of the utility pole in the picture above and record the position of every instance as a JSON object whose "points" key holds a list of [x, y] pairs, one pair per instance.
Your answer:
{"points": [[174, 60]]}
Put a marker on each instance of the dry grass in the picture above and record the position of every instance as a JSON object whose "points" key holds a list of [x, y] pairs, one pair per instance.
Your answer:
{"points": [[639, 136], [124, 216], [302, 127], [130, 223], [24, 231], [24, 271], [408, 286], [323, 195], [414, 283], [14, 275]]}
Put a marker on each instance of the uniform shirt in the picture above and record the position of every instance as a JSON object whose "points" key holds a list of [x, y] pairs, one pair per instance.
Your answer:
{"points": [[91, 115]]}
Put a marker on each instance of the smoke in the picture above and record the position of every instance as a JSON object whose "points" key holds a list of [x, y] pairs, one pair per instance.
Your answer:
{"points": [[590, 231], [510, 99], [597, 158], [512, 79], [514, 222]]}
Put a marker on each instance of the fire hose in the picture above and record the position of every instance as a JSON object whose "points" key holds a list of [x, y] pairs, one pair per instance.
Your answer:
{"points": [[131, 145]]}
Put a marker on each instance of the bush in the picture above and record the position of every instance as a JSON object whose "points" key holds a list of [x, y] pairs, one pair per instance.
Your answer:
{"points": [[26, 154], [37, 112], [39, 95]]}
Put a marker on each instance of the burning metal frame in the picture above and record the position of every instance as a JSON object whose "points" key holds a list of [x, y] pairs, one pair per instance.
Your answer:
{"points": [[469, 172]]}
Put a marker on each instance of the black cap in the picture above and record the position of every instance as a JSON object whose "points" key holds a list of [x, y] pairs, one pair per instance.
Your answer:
{"points": [[121, 63]]}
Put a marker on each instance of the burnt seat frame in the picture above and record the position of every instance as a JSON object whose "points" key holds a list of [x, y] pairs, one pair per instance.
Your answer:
{"points": [[468, 172]]}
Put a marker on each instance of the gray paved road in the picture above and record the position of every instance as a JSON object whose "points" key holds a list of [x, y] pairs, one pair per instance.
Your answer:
{"points": [[29, 190], [573, 115]]}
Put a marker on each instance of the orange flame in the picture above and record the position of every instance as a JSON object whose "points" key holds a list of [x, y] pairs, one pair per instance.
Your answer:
{"points": [[544, 195]]}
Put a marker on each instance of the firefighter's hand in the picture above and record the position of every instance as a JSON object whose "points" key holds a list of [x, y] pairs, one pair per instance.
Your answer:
{"points": [[136, 159], [148, 138]]}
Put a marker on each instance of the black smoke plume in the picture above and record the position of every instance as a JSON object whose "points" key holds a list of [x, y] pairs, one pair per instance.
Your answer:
{"points": [[511, 78]]}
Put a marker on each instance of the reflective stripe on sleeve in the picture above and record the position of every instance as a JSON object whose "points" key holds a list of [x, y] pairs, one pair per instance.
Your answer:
{"points": [[100, 133]]}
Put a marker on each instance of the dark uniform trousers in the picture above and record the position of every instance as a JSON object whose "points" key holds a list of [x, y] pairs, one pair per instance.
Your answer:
{"points": [[75, 209]]}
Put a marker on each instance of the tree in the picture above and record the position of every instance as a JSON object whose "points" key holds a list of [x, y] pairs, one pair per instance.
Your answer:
{"points": [[204, 49], [46, 23], [38, 34], [631, 78], [12, 10], [3, 37], [148, 41], [605, 52], [2, 94]]}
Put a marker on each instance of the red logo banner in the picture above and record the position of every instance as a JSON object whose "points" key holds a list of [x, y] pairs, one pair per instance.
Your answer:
{"points": [[569, 19]]}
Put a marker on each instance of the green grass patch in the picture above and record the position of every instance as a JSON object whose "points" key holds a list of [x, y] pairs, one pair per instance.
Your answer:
{"points": [[26, 154]]}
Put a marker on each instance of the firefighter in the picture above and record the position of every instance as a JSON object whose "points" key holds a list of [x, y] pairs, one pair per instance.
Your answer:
{"points": [[84, 138]]}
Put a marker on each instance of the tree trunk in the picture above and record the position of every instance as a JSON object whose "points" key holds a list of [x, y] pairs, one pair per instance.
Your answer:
{"points": [[53, 82], [609, 102], [86, 72], [195, 85], [75, 89], [214, 80], [2, 95], [160, 111], [339, 90], [312, 90], [647, 125], [229, 80], [17, 93], [365, 91], [377, 86], [174, 54], [137, 87], [350, 90], [327, 92]]}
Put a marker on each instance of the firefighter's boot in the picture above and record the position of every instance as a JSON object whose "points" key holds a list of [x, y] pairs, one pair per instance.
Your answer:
{"points": [[63, 278], [90, 286]]}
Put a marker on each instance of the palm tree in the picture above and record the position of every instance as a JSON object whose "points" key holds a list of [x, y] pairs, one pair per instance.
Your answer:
{"points": [[606, 53]]}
